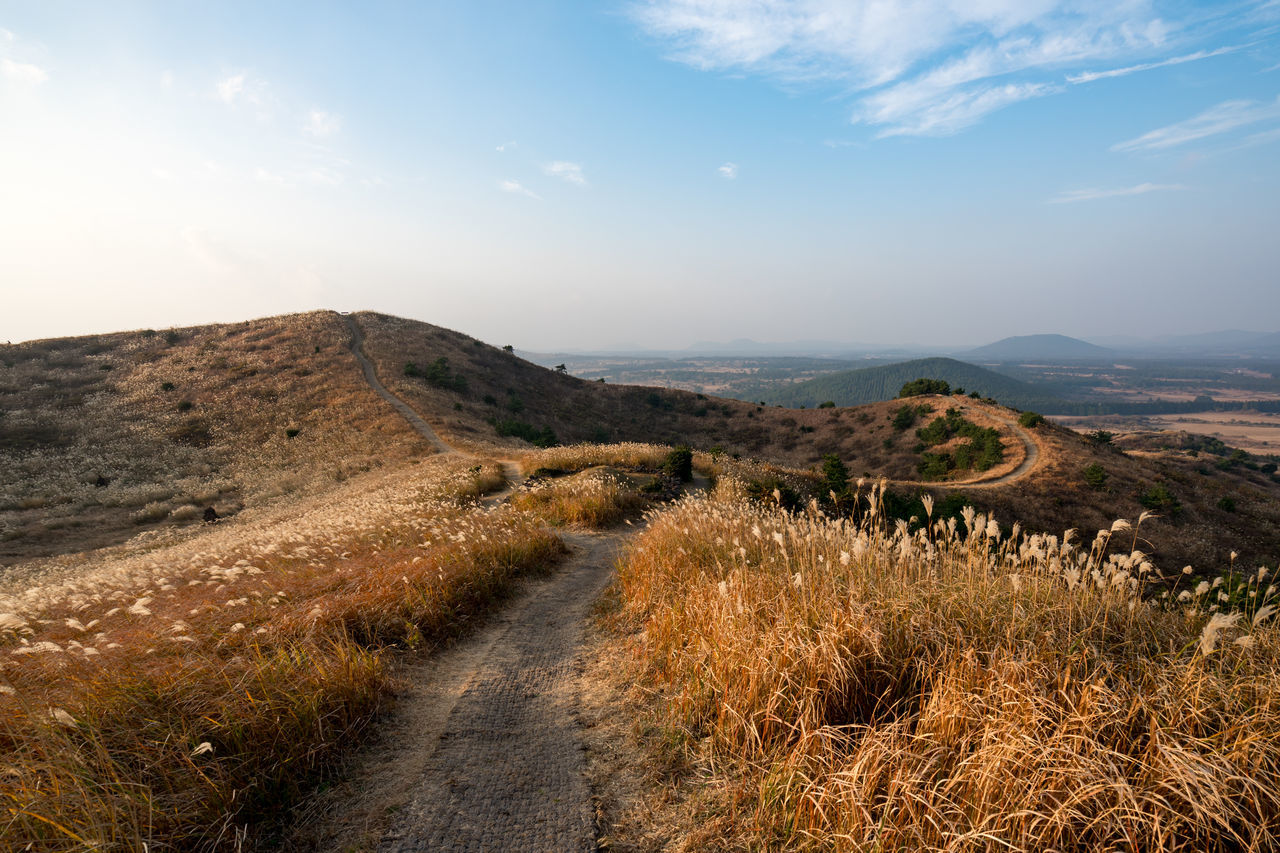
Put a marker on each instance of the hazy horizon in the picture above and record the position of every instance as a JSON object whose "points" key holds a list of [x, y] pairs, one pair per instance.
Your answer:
{"points": [[645, 174]]}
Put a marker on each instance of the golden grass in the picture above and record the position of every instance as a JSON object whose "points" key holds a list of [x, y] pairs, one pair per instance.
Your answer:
{"points": [[865, 688], [177, 705], [593, 499]]}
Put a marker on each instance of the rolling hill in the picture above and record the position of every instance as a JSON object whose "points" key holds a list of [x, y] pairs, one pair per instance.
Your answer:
{"points": [[134, 435], [1049, 348], [872, 384]]}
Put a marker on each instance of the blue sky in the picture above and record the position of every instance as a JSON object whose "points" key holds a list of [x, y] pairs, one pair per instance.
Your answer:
{"points": [[574, 175]]}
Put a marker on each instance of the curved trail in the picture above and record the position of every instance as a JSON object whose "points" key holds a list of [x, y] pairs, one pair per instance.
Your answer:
{"points": [[1030, 458], [483, 751], [415, 420]]}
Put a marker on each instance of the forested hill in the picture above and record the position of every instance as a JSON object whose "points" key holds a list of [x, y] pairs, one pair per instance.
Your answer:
{"points": [[871, 384]]}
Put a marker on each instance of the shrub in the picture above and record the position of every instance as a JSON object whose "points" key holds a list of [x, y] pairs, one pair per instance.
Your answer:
{"points": [[1160, 499], [438, 374], [521, 429], [185, 405], [1101, 436], [835, 479], [827, 404], [1226, 503], [1030, 420], [292, 432], [904, 417], [167, 386], [679, 463], [916, 387], [1095, 476], [1267, 467]]}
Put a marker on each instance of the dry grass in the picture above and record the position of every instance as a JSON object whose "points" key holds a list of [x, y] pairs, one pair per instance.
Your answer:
{"points": [[576, 457], [865, 688], [175, 705], [222, 416], [593, 499]]}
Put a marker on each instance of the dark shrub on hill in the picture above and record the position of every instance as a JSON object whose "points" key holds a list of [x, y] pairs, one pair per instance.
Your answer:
{"points": [[679, 464], [916, 387]]}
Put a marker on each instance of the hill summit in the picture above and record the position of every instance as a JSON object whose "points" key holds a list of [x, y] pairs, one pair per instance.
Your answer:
{"points": [[1039, 348]]}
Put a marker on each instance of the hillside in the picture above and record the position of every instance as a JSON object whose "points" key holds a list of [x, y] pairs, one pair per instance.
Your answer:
{"points": [[110, 436], [1039, 348], [106, 436], [871, 384]]}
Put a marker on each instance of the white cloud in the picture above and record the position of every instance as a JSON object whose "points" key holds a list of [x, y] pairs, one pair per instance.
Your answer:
{"points": [[322, 123], [1090, 76], [230, 88], [1068, 196], [517, 188], [22, 72], [166, 80], [504, 146], [923, 67], [571, 172], [242, 87], [728, 170], [1224, 117]]}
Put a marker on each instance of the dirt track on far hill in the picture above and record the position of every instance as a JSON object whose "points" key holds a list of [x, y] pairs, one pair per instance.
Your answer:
{"points": [[1030, 459], [371, 376]]}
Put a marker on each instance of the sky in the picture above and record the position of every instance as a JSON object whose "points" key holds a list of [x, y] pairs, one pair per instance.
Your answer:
{"points": [[590, 175]]}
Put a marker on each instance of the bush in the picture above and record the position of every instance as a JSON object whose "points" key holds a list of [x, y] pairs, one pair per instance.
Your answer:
{"points": [[827, 404], [1095, 476], [292, 432], [916, 387], [520, 429], [679, 464], [1030, 420], [1160, 499], [1227, 503], [1101, 436], [835, 480], [438, 374], [904, 417]]}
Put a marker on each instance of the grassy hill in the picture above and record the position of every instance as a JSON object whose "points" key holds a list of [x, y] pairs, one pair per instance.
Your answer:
{"points": [[871, 384], [110, 436]]}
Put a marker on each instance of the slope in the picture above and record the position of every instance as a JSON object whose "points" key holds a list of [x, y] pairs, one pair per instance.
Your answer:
{"points": [[870, 384], [1039, 348]]}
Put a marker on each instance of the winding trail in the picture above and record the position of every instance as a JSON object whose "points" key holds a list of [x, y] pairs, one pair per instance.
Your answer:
{"points": [[483, 751], [371, 376], [1030, 459]]}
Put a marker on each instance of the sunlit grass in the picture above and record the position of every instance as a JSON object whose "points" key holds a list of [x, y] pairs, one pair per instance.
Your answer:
{"points": [[175, 705], [592, 499], [864, 687]]}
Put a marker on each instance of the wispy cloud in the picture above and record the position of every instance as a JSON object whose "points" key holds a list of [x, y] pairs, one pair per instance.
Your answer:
{"points": [[321, 123], [22, 72], [1090, 76], [565, 171], [927, 67], [1068, 196], [517, 188], [241, 88], [504, 146], [1224, 117], [728, 170]]}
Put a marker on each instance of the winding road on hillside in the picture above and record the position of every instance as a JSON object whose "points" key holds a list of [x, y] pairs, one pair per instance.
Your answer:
{"points": [[1031, 457], [371, 376], [483, 752]]}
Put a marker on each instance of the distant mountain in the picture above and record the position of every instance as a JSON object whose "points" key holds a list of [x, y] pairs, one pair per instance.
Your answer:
{"points": [[1039, 348], [872, 384], [1230, 343]]}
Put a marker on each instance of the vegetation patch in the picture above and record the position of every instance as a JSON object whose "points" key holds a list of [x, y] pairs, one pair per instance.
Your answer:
{"points": [[866, 687], [981, 450]]}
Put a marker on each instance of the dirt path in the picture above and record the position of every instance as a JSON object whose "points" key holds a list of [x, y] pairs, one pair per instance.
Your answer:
{"points": [[371, 376], [482, 750], [1029, 460]]}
